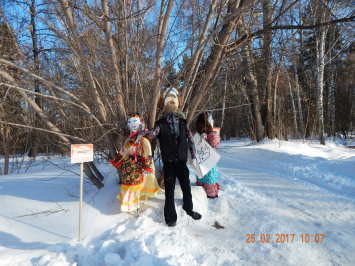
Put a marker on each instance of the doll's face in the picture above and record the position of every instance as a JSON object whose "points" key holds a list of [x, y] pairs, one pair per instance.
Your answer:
{"points": [[133, 123], [172, 100], [171, 103], [210, 119]]}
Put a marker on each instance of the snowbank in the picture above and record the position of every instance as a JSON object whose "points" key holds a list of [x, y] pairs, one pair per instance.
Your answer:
{"points": [[296, 193]]}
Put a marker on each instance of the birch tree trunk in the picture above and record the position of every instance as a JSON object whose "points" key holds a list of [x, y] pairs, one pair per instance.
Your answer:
{"points": [[320, 43], [292, 104], [302, 68], [33, 30], [4, 133], [276, 82], [125, 60], [331, 84], [299, 105], [224, 98], [267, 74], [245, 94], [252, 83]]}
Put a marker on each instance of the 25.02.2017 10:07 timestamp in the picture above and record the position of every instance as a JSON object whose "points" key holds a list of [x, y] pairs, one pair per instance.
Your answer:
{"points": [[285, 238]]}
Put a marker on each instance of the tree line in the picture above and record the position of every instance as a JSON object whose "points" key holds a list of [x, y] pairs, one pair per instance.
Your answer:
{"points": [[71, 71]]}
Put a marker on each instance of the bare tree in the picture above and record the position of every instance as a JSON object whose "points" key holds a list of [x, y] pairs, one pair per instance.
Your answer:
{"points": [[252, 84], [162, 28], [320, 51], [298, 100], [292, 104], [267, 73], [100, 60], [331, 83]]}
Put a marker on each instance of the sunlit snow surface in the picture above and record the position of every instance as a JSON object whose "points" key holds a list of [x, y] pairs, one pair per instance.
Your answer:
{"points": [[269, 189]]}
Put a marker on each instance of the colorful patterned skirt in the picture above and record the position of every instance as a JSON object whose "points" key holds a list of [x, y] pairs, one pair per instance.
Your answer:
{"points": [[210, 182], [135, 186], [133, 194]]}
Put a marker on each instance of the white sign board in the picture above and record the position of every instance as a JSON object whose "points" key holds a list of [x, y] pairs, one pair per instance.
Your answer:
{"points": [[206, 155], [81, 153]]}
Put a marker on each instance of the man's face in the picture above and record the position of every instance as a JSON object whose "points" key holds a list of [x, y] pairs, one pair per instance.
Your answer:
{"points": [[133, 123]]}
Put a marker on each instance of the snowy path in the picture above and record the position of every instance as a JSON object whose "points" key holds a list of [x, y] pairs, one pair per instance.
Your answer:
{"points": [[281, 205], [267, 191]]}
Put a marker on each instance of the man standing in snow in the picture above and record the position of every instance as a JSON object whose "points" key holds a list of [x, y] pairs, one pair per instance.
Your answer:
{"points": [[175, 138]]}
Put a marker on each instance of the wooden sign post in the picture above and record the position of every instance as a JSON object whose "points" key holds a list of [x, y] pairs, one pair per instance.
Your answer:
{"points": [[81, 153]]}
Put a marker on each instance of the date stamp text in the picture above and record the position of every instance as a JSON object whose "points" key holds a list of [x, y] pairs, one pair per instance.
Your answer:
{"points": [[285, 238]]}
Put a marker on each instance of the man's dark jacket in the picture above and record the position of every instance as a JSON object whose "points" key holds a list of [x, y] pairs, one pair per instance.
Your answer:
{"points": [[169, 151]]}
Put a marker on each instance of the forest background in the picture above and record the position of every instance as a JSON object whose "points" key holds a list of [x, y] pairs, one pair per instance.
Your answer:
{"points": [[71, 71]]}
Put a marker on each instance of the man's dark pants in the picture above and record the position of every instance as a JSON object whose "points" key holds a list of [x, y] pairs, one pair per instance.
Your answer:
{"points": [[179, 170]]}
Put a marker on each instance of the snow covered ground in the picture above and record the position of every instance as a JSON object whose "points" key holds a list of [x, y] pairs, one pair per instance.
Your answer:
{"points": [[298, 197]]}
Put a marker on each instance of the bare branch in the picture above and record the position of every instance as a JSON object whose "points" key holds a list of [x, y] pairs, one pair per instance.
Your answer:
{"points": [[41, 129]]}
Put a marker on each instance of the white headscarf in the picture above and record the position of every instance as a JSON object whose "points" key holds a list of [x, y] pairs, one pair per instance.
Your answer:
{"points": [[171, 91]]}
